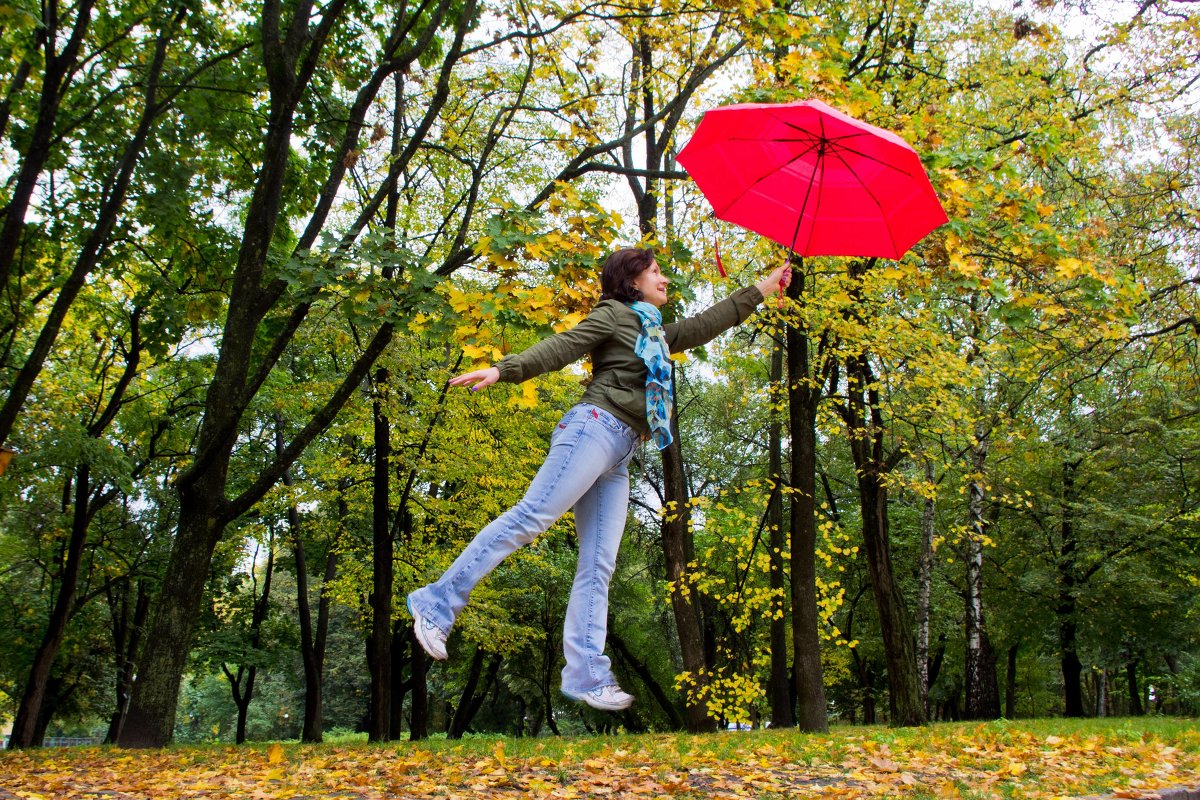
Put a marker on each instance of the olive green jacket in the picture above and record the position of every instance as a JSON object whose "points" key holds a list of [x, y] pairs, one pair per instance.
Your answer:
{"points": [[609, 334]]}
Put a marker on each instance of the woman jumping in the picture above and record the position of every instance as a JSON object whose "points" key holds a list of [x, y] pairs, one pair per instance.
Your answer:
{"points": [[628, 399]]}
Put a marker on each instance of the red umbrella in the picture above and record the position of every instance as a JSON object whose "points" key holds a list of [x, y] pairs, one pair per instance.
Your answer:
{"points": [[813, 179]]}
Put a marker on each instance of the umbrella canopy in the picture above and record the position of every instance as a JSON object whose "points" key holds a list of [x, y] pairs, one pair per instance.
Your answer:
{"points": [[813, 179]]}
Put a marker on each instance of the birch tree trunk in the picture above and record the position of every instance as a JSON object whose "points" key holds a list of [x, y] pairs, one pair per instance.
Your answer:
{"points": [[982, 689]]}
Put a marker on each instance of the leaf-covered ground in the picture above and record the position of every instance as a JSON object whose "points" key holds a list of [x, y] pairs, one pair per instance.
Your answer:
{"points": [[1048, 759]]}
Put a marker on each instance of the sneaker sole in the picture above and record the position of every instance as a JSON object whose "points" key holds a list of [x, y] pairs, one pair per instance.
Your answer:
{"points": [[590, 701]]}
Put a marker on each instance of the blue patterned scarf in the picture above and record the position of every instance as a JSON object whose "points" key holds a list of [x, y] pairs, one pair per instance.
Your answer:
{"points": [[651, 347]]}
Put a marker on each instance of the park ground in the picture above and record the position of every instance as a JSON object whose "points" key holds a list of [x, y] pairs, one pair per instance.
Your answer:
{"points": [[1027, 759]]}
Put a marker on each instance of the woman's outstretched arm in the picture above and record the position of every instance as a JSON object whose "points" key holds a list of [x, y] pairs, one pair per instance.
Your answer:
{"points": [[702, 328], [549, 355]]}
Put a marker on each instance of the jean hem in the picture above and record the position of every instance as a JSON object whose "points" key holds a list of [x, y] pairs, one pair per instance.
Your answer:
{"points": [[579, 694]]}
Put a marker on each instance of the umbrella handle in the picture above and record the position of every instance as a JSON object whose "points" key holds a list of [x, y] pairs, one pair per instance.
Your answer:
{"points": [[795, 261]]}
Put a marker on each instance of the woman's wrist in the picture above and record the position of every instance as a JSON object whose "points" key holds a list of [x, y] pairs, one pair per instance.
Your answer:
{"points": [[766, 287]]}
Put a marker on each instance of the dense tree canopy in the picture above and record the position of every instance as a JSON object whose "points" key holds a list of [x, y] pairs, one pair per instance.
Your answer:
{"points": [[242, 248]]}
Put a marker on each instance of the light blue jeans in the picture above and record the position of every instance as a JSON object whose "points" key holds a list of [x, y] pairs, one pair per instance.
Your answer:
{"points": [[587, 467]]}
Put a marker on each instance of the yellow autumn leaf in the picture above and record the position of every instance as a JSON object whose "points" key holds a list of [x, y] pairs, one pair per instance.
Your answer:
{"points": [[1067, 268], [475, 352], [527, 398]]}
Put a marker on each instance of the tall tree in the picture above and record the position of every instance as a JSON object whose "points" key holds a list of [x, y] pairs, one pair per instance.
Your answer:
{"points": [[779, 688], [808, 370], [58, 38], [114, 178], [241, 681], [659, 110], [292, 46], [379, 644]]}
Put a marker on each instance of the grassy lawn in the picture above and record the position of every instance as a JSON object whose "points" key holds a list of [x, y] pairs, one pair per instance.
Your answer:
{"points": [[1026, 759]]}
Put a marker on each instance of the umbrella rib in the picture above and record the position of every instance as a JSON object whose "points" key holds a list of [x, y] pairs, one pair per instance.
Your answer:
{"points": [[807, 192], [759, 180], [820, 182], [839, 148], [836, 142], [874, 199]]}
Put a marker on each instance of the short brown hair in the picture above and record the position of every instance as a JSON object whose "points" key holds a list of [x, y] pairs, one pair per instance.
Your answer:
{"points": [[619, 271]]}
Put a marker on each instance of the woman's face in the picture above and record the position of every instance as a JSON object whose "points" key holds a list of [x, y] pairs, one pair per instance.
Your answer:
{"points": [[653, 285]]}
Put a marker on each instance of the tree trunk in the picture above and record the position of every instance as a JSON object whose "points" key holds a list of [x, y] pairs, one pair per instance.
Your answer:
{"points": [[925, 585], [290, 61], [779, 689], [203, 506], [418, 723], [1072, 671], [690, 625], [866, 680], [472, 695], [939, 656], [127, 637], [1065, 608], [1136, 708], [24, 732], [804, 396], [549, 659], [982, 690], [679, 553], [312, 641], [84, 508], [55, 694], [865, 431], [984, 700], [151, 717], [204, 509], [864, 423], [312, 729], [904, 696], [381, 585], [401, 653], [548, 715], [244, 694], [647, 677], [1010, 683]]}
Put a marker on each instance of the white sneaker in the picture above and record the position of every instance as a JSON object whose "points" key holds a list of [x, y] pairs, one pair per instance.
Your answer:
{"points": [[431, 637], [606, 698]]}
